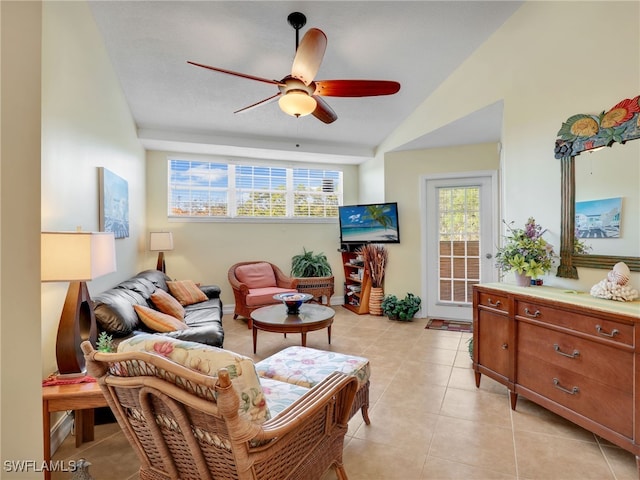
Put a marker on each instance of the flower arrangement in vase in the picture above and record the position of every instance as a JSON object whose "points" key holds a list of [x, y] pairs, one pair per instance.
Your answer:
{"points": [[525, 251], [375, 261]]}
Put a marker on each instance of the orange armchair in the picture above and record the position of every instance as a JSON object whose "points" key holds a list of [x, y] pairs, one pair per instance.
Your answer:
{"points": [[254, 284]]}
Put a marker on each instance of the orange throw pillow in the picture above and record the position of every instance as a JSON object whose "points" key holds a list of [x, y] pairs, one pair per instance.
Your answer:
{"points": [[167, 304], [158, 321], [187, 292]]}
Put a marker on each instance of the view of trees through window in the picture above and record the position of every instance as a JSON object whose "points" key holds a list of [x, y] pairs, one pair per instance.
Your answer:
{"points": [[459, 245], [208, 189]]}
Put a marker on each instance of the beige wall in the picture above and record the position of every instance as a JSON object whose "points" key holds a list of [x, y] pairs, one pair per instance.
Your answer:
{"points": [[204, 251], [20, 360], [404, 178], [550, 60], [86, 124]]}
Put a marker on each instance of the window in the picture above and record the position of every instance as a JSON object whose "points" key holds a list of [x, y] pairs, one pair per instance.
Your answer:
{"points": [[202, 189]]}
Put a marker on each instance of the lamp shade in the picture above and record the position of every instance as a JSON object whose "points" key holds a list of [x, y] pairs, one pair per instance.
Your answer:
{"points": [[76, 256], [160, 241], [297, 103]]}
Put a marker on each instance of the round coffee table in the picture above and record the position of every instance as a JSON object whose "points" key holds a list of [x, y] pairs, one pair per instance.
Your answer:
{"points": [[275, 319]]}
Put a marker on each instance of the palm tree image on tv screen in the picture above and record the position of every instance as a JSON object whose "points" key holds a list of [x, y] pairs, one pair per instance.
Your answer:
{"points": [[373, 223]]}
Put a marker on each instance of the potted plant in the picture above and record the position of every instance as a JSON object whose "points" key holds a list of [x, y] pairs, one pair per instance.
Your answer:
{"points": [[313, 273], [403, 310], [525, 252]]}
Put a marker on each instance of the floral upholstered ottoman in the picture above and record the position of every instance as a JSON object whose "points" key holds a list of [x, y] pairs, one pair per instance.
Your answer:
{"points": [[306, 367]]}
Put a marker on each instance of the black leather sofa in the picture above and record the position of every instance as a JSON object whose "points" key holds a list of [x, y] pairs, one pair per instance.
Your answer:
{"points": [[115, 313]]}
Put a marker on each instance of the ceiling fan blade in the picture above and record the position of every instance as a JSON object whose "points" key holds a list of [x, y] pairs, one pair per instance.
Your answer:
{"points": [[259, 104], [237, 74], [324, 112], [309, 55], [355, 88]]}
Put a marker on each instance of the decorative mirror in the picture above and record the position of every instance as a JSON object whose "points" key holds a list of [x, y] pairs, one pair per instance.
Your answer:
{"points": [[590, 133]]}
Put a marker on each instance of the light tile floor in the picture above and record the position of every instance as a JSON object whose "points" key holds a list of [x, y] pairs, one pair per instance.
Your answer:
{"points": [[428, 419]]}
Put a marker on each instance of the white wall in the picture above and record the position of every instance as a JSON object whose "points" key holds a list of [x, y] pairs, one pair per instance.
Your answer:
{"points": [[204, 251], [20, 360], [550, 60]]}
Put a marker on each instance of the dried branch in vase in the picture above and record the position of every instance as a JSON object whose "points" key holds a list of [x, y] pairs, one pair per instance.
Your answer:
{"points": [[375, 259]]}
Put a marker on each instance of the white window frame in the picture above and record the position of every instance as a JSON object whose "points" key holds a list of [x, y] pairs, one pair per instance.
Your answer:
{"points": [[232, 202]]}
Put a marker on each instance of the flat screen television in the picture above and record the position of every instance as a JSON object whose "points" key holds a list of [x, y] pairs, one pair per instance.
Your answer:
{"points": [[372, 223]]}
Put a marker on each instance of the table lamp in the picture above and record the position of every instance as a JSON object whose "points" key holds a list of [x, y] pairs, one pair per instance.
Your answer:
{"points": [[161, 242], [76, 257]]}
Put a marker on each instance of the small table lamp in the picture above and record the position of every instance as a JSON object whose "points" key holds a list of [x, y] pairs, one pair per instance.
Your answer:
{"points": [[161, 242], [76, 257]]}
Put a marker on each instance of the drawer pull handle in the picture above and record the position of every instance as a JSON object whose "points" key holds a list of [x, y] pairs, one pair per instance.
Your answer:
{"points": [[573, 391], [535, 314], [504, 346], [613, 333], [491, 304], [575, 354]]}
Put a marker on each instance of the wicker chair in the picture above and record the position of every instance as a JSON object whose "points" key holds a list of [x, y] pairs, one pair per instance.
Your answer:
{"points": [[242, 290], [185, 425]]}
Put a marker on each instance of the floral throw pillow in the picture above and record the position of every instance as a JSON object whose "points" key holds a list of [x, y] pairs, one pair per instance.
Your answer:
{"points": [[186, 292], [167, 304], [158, 321], [208, 360]]}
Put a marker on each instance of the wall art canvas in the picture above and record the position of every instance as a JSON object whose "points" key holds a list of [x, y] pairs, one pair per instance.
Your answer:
{"points": [[598, 218], [114, 203]]}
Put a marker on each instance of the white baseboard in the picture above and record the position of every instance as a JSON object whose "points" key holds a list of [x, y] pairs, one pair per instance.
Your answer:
{"points": [[61, 431]]}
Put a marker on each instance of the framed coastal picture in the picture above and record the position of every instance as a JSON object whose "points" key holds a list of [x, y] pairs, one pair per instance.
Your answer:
{"points": [[114, 203], [599, 218]]}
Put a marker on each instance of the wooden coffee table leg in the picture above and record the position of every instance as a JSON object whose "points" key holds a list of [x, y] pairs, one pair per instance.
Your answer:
{"points": [[329, 334], [304, 339], [255, 338]]}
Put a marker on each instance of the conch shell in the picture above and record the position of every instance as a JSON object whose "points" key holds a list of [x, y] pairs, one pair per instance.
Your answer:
{"points": [[620, 274]]}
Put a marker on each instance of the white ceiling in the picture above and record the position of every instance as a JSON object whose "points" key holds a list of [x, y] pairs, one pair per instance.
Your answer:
{"points": [[184, 108]]}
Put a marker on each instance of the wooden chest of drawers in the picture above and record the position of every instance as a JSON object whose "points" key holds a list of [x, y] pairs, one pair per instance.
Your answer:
{"points": [[571, 353]]}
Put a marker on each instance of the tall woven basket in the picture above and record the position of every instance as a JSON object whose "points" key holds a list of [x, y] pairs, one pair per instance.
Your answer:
{"points": [[319, 287]]}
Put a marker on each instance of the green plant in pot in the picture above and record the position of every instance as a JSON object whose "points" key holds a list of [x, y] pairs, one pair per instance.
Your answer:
{"points": [[401, 309], [308, 264], [314, 274]]}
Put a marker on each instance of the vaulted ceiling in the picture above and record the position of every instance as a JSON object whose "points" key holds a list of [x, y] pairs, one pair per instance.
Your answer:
{"points": [[177, 106]]}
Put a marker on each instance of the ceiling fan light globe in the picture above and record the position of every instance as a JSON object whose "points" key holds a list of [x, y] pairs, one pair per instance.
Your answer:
{"points": [[297, 103]]}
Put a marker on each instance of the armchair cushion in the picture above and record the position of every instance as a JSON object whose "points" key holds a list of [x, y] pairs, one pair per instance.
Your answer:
{"points": [[256, 275], [208, 360], [264, 296]]}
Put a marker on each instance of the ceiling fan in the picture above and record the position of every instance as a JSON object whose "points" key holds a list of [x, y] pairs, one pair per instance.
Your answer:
{"points": [[299, 94]]}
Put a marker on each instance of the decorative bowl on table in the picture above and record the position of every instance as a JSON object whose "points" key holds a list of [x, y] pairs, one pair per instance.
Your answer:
{"points": [[293, 301]]}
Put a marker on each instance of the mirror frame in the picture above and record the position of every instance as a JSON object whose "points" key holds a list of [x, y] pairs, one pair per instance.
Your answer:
{"points": [[578, 134]]}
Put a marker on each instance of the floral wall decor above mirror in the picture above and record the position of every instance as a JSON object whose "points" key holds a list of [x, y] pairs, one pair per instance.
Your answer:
{"points": [[584, 132]]}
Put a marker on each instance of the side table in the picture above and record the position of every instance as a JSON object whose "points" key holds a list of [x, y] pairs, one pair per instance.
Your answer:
{"points": [[82, 398]]}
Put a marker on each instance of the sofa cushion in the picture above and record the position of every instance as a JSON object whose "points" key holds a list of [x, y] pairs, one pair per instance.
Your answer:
{"points": [[114, 311], [167, 304], [158, 321], [264, 296], [256, 275], [186, 292], [208, 360], [307, 367]]}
